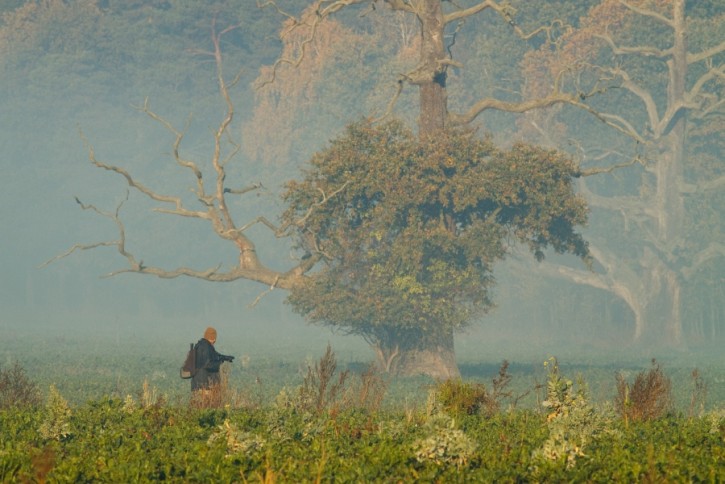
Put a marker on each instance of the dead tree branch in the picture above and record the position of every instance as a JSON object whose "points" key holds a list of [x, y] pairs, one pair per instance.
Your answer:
{"points": [[214, 206]]}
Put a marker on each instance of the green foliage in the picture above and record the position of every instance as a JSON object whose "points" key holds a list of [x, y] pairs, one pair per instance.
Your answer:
{"points": [[409, 229], [461, 398], [234, 440], [178, 444], [119, 439], [457, 397]]}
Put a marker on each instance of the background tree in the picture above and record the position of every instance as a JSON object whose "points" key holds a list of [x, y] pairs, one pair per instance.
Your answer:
{"points": [[663, 95]]}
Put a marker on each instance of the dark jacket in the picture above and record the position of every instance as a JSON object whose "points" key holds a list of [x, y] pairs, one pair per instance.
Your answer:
{"points": [[208, 362]]}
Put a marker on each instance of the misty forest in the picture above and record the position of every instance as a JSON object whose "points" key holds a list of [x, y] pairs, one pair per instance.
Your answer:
{"points": [[417, 190]]}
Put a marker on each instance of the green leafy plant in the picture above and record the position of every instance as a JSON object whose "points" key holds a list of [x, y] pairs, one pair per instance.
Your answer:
{"points": [[445, 444], [572, 421], [716, 418], [56, 425]]}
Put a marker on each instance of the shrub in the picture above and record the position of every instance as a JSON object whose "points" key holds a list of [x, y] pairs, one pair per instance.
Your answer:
{"points": [[458, 397], [648, 398], [368, 390], [444, 443], [56, 425], [16, 389]]}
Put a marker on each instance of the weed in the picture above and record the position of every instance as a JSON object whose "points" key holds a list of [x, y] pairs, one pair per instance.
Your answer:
{"points": [[42, 463], [321, 389], [207, 397], [129, 404], [219, 395], [369, 390], [268, 477], [149, 395], [716, 418], [648, 398]]}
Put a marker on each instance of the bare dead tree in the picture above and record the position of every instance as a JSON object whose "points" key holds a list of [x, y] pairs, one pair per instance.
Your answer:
{"points": [[211, 193], [655, 219]]}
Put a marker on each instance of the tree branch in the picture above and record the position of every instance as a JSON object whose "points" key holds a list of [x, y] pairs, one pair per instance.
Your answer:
{"points": [[310, 19], [643, 94], [596, 171], [646, 51], [215, 208], [648, 13], [712, 251], [706, 54], [710, 185], [467, 12], [513, 107]]}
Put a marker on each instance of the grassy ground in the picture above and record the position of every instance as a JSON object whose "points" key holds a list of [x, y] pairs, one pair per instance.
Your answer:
{"points": [[90, 363]]}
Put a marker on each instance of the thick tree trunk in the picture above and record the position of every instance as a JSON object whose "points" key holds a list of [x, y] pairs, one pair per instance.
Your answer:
{"points": [[415, 352], [430, 76], [657, 308], [412, 352]]}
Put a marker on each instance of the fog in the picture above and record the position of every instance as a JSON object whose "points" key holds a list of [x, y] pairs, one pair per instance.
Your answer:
{"points": [[55, 99]]}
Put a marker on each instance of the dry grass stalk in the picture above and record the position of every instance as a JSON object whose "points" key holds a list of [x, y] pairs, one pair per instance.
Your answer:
{"points": [[648, 398], [699, 394], [319, 388], [16, 389]]}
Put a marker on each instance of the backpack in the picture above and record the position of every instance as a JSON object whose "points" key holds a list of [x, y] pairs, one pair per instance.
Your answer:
{"points": [[189, 369]]}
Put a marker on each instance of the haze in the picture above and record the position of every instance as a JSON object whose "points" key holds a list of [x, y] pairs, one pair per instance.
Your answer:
{"points": [[78, 83]]}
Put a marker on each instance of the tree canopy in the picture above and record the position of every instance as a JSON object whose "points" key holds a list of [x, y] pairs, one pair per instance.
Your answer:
{"points": [[409, 229]]}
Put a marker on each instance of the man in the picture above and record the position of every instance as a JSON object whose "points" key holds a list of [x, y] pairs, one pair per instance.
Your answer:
{"points": [[208, 362]]}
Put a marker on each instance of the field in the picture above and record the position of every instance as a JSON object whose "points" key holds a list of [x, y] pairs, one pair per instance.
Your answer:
{"points": [[112, 408]]}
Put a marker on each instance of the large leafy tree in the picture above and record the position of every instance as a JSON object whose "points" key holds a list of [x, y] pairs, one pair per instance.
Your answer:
{"points": [[409, 230], [430, 346]]}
